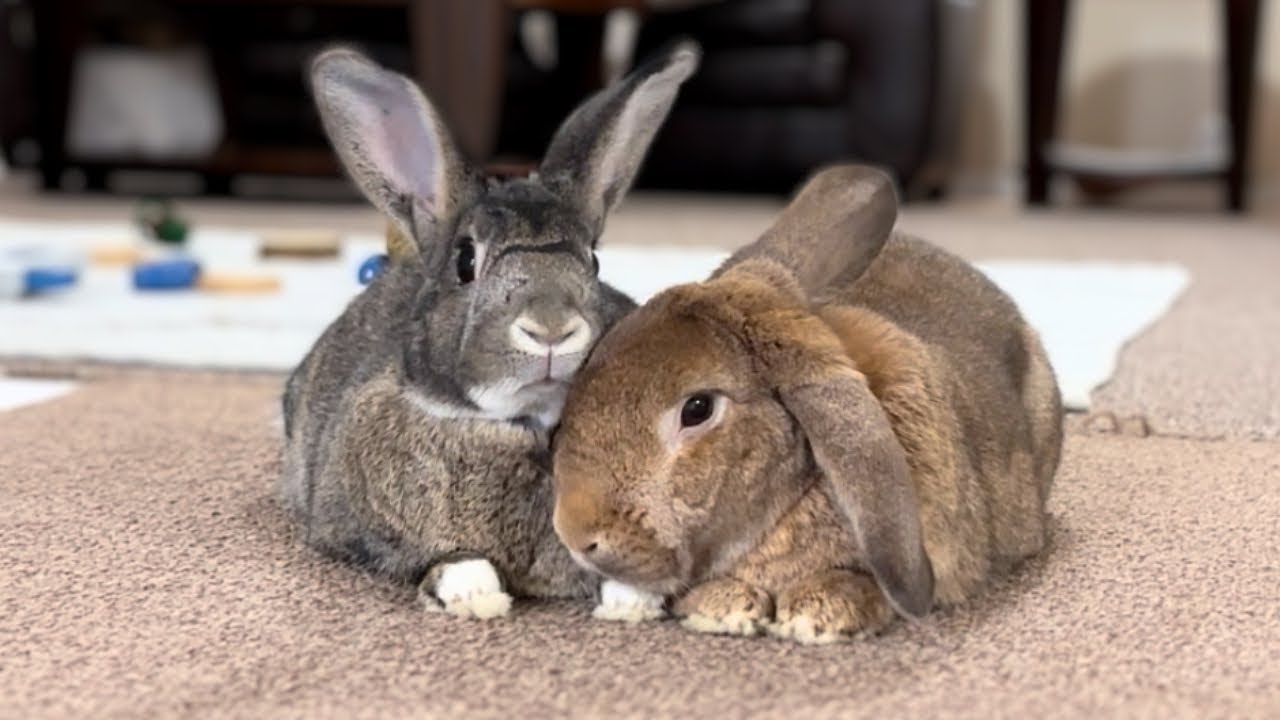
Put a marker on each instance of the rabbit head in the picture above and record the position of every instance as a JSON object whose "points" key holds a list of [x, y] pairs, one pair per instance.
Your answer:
{"points": [[500, 282], [701, 417]]}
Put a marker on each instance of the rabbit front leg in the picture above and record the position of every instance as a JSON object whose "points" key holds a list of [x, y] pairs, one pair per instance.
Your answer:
{"points": [[725, 606], [620, 602], [457, 493], [830, 606], [466, 588]]}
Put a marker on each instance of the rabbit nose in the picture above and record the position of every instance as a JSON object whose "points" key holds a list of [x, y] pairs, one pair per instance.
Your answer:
{"points": [[571, 335], [576, 520]]}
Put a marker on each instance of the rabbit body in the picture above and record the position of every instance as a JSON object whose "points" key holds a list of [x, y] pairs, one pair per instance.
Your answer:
{"points": [[882, 434], [376, 478], [417, 427], [916, 351], [994, 470]]}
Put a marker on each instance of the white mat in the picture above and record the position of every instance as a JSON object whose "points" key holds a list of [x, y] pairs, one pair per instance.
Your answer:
{"points": [[1085, 312], [17, 392]]}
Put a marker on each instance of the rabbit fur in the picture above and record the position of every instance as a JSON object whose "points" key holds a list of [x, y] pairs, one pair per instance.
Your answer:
{"points": [[840, 423], [417, 425]]}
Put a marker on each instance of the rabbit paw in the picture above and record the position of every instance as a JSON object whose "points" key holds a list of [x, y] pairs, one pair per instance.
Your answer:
{"points": [[832, 607], [470, 588], [623, 603], [725, 607]]}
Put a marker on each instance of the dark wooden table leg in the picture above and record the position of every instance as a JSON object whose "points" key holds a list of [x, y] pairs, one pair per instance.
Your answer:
{"points": [[1240, 20], [460, 55], [581, 46], [60, 27], [1043, 40]]}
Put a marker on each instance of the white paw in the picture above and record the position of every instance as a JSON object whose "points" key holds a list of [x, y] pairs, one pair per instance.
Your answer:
{"points": [[471, 588], [731, 624], [623, 603], [802, 629]]}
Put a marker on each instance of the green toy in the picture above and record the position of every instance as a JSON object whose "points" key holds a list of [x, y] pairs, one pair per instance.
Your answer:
{"points": [[157, 219]]}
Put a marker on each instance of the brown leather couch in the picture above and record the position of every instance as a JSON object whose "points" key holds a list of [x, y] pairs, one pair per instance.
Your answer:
{"points": [[788, 85]]}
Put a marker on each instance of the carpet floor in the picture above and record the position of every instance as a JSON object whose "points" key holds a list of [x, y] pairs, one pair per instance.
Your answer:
{"points": [[147, 571]]}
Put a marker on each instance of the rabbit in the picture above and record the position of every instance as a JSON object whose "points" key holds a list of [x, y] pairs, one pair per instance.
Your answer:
{"points": [[841, 424], [417, 426]]}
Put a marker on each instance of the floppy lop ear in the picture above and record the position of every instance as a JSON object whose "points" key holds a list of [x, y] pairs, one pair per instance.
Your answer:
{"points": [[866, 471], [836, 224], [389, 138]]}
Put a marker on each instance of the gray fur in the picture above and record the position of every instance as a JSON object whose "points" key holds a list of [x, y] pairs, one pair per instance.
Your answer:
{"points": [[394, 458], [628, 121]]}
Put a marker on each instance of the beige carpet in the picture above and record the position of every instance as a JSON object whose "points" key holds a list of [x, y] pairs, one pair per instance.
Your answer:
{"points": [[146, 571]]}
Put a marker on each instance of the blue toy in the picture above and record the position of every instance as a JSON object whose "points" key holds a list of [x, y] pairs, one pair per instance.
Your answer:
{"points": [[34, 271], [371, 268], [174, 274]]}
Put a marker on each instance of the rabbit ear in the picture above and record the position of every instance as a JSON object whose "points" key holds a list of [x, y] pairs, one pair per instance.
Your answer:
{"points": [[597, 151], [388, 136], [867, 475], [835, 225]]}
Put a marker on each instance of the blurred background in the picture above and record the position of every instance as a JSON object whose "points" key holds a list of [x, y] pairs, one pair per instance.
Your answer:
{"points": [[1113, 164], [1161, 104]]}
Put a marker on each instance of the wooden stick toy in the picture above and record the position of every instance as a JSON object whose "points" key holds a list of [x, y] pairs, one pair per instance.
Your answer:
{"points": [[186, 274], [300, 244]]}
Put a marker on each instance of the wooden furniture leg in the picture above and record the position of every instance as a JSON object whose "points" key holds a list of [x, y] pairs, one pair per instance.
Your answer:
{"points": [[1044, 30], [460, 53], [1240, 21], [60, 27]]}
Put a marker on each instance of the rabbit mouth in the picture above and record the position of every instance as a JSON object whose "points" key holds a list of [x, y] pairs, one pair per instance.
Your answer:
{"points": [[560, 368], [652, 579], [542, 381], [547, 367], [516, 398]]}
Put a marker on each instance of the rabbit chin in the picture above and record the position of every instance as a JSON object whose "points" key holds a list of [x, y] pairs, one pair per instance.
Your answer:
{"points": [[508, 399], [661, 579]]}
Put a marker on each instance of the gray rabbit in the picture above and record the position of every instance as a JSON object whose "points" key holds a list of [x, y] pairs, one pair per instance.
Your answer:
{"points": [[416, 428]]}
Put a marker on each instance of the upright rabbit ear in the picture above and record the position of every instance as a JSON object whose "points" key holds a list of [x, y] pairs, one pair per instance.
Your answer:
{"points": [[388, 136], [867, 475], [597, 151], [835, 226]]}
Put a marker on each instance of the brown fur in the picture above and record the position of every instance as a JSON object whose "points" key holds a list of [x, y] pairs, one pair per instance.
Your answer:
{"points": [[399, 245], [887, 434]]}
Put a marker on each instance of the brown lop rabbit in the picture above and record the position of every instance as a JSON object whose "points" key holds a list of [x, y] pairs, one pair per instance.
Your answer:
{"points": [[840, 423]]}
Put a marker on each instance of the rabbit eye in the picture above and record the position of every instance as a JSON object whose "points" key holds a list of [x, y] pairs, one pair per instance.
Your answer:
{"points": [[697, 410], [466, 260], [595, 263]]}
